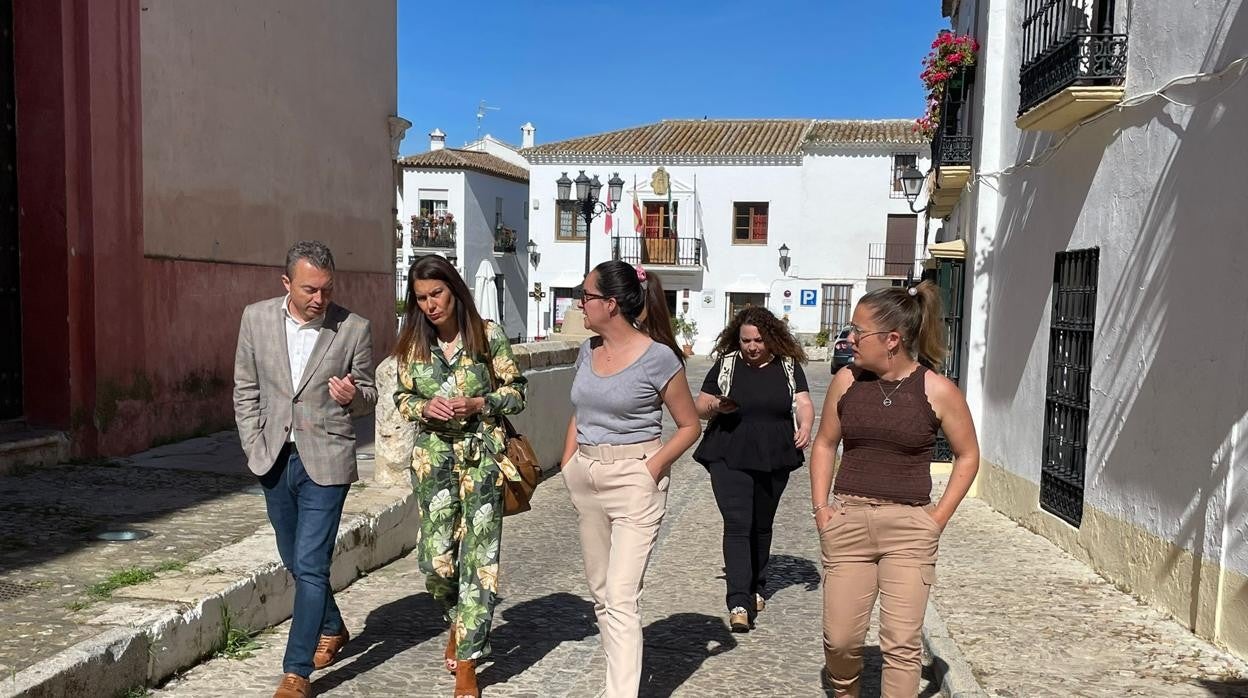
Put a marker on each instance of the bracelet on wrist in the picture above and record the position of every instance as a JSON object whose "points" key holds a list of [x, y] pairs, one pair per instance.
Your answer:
{"points": [[815, 511]]}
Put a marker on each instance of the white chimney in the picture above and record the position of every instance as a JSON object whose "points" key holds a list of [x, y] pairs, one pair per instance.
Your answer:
{"points": [[526, 140], [437, 139]]}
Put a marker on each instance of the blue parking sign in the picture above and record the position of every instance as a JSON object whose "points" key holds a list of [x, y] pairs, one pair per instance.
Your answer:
{"points": [[809, 296]]}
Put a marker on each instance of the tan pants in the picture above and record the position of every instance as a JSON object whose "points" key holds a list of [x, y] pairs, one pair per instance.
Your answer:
{"points": [[875, 548], [620, 508]]}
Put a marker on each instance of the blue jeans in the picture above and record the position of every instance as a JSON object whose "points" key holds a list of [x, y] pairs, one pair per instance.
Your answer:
{"points": [[305, 517]]}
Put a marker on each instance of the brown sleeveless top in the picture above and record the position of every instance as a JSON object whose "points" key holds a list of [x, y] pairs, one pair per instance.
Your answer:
{"points": [[887, 450]]}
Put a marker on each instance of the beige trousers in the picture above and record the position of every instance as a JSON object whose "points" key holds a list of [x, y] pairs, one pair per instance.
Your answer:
{"points": [[874, 548], [620, 508]]}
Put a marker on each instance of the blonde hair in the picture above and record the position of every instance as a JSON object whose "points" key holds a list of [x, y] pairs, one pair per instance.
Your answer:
{"points": [[917, 314]]}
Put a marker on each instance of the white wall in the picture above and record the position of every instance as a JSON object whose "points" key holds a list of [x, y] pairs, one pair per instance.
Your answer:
{"points": [[1158, 189], [470, 198], [499, 149], [478, 243], [413, 181], [825, 207]]}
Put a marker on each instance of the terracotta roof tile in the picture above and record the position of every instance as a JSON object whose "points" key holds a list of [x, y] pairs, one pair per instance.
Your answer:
{"points": [[875, 131], [454, 159], [732, 137]]}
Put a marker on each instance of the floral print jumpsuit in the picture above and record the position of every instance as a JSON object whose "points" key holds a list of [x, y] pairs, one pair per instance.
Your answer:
{"points": [[458, 469]]}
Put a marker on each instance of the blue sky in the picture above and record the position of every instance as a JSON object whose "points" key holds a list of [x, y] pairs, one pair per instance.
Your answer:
{"points": [[575, 68]]}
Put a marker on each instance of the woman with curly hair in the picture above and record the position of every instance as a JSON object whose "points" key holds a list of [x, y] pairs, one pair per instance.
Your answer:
{"points": [[760, 413]]}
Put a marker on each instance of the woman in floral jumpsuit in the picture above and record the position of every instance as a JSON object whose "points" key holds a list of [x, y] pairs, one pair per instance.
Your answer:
{"points": [[457, 376]]}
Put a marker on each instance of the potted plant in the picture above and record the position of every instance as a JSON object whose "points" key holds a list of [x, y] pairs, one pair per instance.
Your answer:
{"points": [[687, 330], [820, 351], [950, 55]]}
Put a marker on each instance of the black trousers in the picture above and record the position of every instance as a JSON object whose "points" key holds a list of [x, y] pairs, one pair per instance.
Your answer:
{"points": [[747, 500]]}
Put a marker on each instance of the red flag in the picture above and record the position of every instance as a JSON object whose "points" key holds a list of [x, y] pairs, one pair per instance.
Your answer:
{"points": [[607, 228], [639, 221]]}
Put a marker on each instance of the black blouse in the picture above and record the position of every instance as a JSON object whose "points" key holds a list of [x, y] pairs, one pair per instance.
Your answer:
{"points": [[759, 435]]}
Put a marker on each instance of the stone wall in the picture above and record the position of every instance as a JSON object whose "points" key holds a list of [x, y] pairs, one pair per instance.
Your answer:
{"points": [[549, 368]]}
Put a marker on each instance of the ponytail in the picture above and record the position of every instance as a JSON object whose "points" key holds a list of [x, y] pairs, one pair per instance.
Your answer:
{"points": [[929, 342], [656, 321], [641, 300], [916, 313]]}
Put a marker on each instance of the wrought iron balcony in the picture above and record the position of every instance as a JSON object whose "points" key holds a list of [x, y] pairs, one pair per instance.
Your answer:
{"points": [[895, 260], [504, 240], [431, 234], [952, 151], [660, 251], [1079, 59]]}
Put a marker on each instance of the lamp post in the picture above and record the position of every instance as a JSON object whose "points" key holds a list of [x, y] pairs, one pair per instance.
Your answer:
{"points": [[911, 184], [587, 191], [534, 255], [784, 260]]}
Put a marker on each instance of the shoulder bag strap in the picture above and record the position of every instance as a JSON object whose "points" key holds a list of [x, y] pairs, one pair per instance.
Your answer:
{"points": [[726, 365]]}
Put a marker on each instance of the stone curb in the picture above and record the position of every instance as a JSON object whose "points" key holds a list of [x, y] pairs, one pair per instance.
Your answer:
{"points": [[953, 672], [153, 630]]}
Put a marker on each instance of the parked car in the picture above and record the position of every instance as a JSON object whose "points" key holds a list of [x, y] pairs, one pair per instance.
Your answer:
{"points": [[842, 353]]}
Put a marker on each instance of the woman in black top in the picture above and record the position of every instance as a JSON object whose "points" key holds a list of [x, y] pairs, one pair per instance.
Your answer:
{"points": [[761, 415]]}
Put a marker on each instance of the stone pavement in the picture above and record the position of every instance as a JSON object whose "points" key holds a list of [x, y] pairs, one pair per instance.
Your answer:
{"points": [[188, 500], [545, 642], [48, 516], [1030, 620], [1033, 621]]}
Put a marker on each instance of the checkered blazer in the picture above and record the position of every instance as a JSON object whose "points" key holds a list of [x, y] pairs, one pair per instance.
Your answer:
{"points": [[267, 407]]}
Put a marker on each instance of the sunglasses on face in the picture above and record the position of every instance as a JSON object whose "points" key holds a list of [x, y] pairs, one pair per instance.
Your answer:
{"points": [[580, 295]]}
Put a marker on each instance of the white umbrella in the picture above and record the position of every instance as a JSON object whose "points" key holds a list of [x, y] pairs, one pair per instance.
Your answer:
{"points": [[486, 293]]}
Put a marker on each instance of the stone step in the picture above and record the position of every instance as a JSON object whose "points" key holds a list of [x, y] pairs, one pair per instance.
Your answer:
{"points": [[25, 447]]}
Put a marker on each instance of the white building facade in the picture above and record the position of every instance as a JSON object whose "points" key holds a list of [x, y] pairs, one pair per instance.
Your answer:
{"points": [[468, 206], [738, 191], [1107, 321]]}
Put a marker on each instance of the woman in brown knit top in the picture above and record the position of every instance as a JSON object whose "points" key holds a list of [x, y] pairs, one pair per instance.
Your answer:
{"points": [[878, 528]]}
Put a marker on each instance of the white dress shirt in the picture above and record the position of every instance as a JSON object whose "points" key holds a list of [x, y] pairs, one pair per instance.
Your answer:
{"points": [[300, 339]]}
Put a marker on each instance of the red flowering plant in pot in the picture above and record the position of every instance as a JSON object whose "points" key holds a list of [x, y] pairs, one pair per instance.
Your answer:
{"points": [[950, 55]]}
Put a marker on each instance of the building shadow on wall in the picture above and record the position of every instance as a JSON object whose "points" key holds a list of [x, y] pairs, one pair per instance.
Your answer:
{"points": [[1182, 361]]}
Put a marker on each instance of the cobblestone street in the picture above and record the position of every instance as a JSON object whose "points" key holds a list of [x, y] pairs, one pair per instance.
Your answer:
{"points": [[545, 642]]}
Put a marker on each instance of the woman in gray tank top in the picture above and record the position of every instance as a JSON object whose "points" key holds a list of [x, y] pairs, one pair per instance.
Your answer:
{"points": [[615, 464]]}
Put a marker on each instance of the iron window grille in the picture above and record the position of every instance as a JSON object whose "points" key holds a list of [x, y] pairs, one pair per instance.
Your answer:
{"points": [[1068, 392]]}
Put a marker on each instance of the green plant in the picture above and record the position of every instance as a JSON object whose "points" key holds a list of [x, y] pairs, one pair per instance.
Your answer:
{"points": [[950, 55], [236, 643], [118, 580], [135, 692], [821, 338], [685, 328], [400, 308], [127, 578]]}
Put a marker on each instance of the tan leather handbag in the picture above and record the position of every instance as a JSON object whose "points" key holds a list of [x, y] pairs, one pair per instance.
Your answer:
{"points": [[518, 449]]}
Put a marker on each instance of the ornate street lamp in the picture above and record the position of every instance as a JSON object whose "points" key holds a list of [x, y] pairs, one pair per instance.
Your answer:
{"points": [[587, 193], [534, 255], [784, 259], [912, 184]]}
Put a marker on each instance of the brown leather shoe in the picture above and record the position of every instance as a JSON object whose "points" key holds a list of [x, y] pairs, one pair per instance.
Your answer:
{"points": [[293, 686], [327, 649]]}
